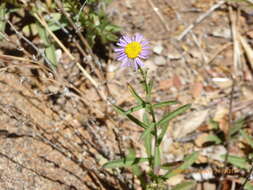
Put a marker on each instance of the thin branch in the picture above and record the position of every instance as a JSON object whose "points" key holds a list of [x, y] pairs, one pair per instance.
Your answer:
{"points": [[159, 14], [86, 74], [199, 20], [29, 42], [236, 47]]}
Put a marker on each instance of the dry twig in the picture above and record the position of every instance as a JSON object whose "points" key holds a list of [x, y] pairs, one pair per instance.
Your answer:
{"points": [[236, 52], [199, 20], [159, 14]]}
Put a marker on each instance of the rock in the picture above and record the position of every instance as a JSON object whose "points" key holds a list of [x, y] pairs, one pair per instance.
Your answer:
{"points": [[174, 56], [158, 49], [222, 33], [159, 60], [222, 82]]}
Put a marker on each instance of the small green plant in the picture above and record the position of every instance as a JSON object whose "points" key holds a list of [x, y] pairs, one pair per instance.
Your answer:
{"points": [[71, 19], [234, 134], [130, 52], [152, 136]]}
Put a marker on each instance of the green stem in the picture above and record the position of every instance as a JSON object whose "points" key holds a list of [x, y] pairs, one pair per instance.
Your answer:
{"points": [[150, 109]]}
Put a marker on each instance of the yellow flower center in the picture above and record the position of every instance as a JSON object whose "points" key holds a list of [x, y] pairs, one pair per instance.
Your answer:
{"points": [[133, 49]]}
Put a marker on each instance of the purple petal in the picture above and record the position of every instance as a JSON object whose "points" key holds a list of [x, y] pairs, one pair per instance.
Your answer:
{"points": [[127, 39], [125, 63], [145, 52], [118, 49], [139, 62], [145, 47], [121, 44], [143, 56], [122, 41], [120, 53], [121, 58], [138, 37], [135, 65], [144, 43]]}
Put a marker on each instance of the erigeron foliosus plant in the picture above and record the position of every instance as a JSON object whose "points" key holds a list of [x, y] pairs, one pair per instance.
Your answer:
{"points": [[131, 51]]}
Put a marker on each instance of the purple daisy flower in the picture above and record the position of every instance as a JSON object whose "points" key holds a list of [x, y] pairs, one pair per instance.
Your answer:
{"points": [[131, 51]]}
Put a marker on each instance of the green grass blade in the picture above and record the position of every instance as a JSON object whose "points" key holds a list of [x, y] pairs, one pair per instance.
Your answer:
{"points": [[131, 117], [124, 162], [148, 137], [136, 108], [188, 161], [237, 161], [248, 186], [237, 126], [136, 95], [163, 104], [248, 138], [149, 87], [131, 154], [173, 114], [163, 132], [50, 54], [136, 170], [148, 144], [214, 138], [43, 34], [157, 158], [147, 131], [214, 124]]}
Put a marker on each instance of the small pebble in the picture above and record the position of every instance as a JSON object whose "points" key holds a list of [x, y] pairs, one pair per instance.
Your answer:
{"points": [[160, 60], [158, 49]]}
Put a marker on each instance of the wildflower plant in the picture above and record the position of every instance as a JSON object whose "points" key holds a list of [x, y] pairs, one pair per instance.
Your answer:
{"points": [[131, 51]]}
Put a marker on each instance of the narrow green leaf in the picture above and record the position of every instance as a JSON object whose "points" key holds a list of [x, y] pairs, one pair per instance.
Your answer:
{"points": [[124, 162], [188, 161], [148, 144], [146, 118], [144, 82], [173, 114], [248, 138], [43, 34], [184, 186], [163, 132], [148, 137], [113, 28], [214, 124], [236, 126], [237, 161], [136, 170], [131, 117], [248, 186], [131, 154], [50, 54], [214, 138], [149, 87], [135, 95], [147, 131], [157, 157], [163, 104], [136, 108]]}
